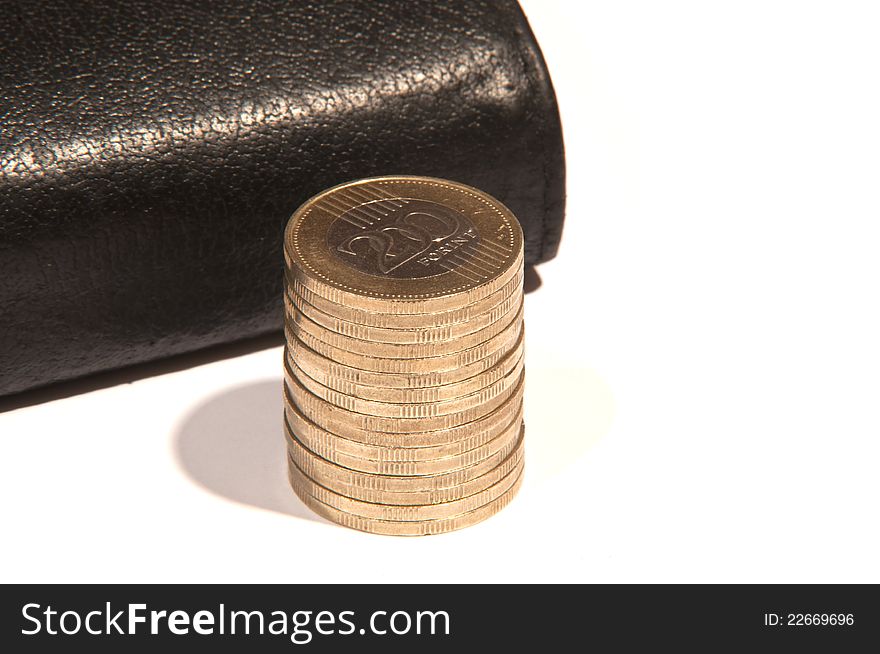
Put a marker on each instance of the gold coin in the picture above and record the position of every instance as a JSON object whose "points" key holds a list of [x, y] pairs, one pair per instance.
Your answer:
{"points": [[434, 244], [344, 421], [340, 378], [322, 442], [393, 463], [404, 359], [300, 323], [482, 429], [479, 354], [318, 365], [498, 314], [405, 498], [302, 484], [418, 528], [383, 319], [405, 409], [339, 478], [407, 305]]}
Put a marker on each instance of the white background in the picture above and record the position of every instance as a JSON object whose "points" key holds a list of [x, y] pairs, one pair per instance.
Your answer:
{"points": [[703, 363]]}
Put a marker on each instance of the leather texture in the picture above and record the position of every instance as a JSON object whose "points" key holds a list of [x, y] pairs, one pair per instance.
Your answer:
{"points": [[151, 152]]}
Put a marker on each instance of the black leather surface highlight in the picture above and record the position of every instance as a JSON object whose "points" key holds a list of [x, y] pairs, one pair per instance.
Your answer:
{"points": [[152, 151]]}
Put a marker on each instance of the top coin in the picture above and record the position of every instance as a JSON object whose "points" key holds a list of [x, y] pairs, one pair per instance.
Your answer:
{"points": [[403, 244]]}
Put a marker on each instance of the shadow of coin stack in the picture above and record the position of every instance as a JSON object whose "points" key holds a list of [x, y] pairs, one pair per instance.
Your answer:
{"points": [[404, 361]]}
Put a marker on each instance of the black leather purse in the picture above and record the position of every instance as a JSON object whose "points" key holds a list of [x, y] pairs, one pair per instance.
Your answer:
{"points": [[151, 153]]}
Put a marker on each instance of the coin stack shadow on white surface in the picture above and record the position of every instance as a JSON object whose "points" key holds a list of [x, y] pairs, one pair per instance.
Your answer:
{"points": [[404, 367]]}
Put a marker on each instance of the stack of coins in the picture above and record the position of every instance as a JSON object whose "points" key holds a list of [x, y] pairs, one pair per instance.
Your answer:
{"points": [[404, 360]]}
